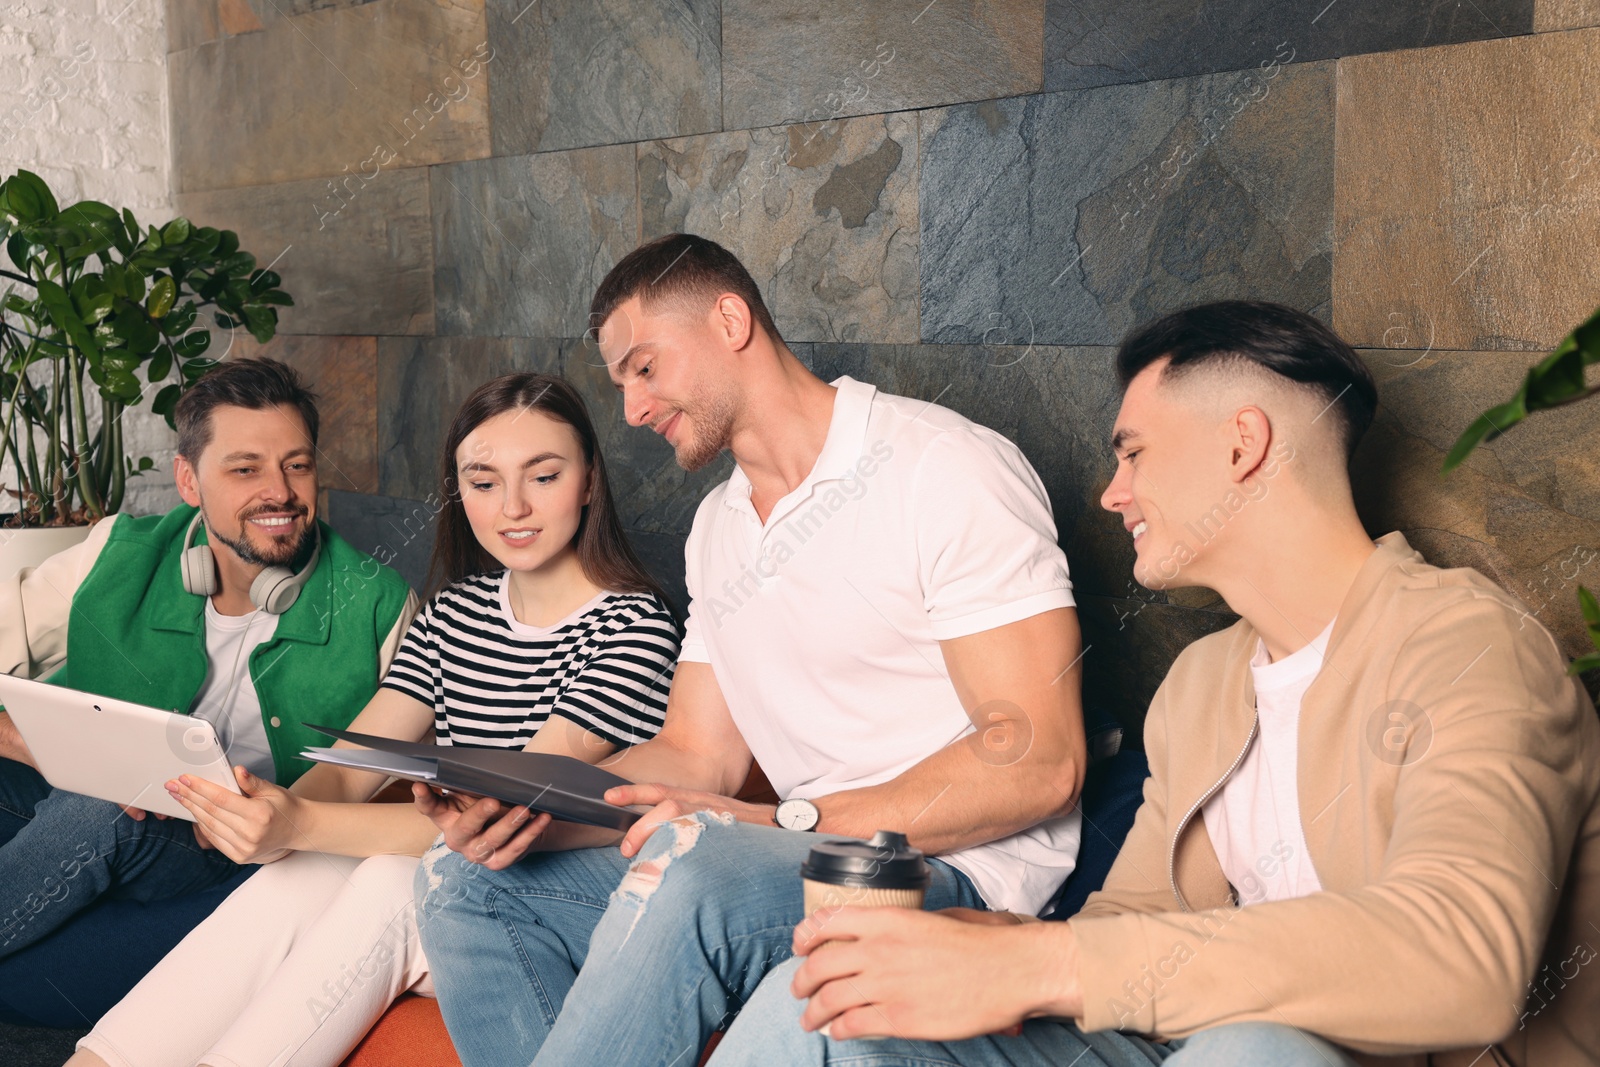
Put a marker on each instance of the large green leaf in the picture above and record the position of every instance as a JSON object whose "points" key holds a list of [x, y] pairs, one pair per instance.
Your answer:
{"points": [[195, 369], [124, 239], [18, 247], [122, 384], [166, 399], [212, 287], [116, 278], [26, 197], [238, 265], [95, 308], [93, 211], [97, 224], [162, 294], [51, 232], [58, 305], [179, 319], [263, 280], [85, 288], [135, 328], [89, 243], [262, 323], [203, 242], [191, 345], [160, 364]]}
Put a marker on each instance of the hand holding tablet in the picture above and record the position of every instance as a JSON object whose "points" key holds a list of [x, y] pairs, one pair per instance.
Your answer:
{"points": [[113, 749]]}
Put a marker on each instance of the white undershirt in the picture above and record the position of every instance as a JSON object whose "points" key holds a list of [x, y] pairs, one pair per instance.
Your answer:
{"points": [[228, 699], [1254, 821]]}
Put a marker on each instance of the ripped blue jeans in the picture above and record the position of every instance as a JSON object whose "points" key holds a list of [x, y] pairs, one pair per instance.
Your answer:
{"points": [[669, 946]]}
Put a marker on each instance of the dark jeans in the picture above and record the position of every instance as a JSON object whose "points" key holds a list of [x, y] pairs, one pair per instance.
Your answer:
{"points": [[60, 852]]}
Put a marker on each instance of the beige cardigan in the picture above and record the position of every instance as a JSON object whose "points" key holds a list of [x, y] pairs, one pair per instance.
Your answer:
{"points": [[1449, 779]]}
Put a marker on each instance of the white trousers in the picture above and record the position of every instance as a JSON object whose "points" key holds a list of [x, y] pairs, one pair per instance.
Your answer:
{"points": [[291, 970]]}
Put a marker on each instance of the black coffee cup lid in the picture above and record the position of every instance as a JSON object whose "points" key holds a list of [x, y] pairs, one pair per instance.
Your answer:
{"points": [[886, 862]]}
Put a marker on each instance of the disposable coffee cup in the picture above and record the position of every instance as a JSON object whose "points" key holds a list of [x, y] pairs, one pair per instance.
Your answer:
{"points": [[885, 872]]}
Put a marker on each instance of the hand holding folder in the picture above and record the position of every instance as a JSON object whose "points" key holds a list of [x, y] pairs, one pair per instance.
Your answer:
{"points": [[567, 788]]}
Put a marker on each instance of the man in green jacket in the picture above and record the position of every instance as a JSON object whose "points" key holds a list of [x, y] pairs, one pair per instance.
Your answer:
{"points": [[275, 623]]}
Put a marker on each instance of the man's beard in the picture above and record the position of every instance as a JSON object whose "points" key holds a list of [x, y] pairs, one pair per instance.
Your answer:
{"points": [[275, 554], [713, 432]]}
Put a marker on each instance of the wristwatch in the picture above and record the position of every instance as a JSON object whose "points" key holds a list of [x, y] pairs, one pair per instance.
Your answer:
{"points": [[797, 815]]}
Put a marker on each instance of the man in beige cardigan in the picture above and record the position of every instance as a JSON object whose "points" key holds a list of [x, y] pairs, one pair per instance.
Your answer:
{"points": [[1372, 825]]}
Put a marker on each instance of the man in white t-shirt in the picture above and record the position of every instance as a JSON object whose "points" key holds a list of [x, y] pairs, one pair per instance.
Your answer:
{"points": [[880, 618]]}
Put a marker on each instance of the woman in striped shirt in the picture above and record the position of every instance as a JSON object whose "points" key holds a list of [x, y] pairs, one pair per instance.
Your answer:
{"points": [[544, 633]]}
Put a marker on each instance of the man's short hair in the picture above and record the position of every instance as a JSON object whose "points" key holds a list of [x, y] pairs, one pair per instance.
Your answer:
{"points": [[1282, 340], [682, 267], [257, 383]]}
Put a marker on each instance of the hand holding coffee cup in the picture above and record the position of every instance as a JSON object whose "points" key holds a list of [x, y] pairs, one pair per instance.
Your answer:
{"points": [[885, 872]]}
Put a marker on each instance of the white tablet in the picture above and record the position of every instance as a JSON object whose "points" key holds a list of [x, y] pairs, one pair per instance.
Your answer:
{"points": [[112, 749]]}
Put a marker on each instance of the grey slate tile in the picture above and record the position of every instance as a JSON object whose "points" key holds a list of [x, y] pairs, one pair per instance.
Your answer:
{"points": [[1105, 42], [1069, 218], [788, 61], [523, 241], [574, 73]]}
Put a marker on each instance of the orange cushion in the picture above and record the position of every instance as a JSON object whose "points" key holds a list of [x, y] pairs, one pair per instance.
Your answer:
{"points": [[411, 1033]]}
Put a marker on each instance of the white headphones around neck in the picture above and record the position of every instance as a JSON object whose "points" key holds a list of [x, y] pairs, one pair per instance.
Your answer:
{"points": [[274, 590]]}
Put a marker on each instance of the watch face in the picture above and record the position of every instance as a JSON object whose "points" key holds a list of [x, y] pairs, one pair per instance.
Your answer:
{"points": [[798, 815]]}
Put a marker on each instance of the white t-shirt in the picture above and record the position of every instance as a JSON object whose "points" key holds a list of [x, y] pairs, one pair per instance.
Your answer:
{"points": [[228, 699], [823, 625], [1254, 821]]}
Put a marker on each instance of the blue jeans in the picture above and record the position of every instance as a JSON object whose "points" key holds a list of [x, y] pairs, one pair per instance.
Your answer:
{"points": [[767, 1034], [670, 945], [60, 851]]}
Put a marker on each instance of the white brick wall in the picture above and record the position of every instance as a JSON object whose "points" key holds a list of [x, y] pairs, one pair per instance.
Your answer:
{"points": [[83, 104]]}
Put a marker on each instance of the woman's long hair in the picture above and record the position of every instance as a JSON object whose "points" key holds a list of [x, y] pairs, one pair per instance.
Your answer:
{"points": [[603, 550]]}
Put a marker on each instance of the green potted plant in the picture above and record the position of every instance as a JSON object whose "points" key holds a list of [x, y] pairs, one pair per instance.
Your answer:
{"points": [[1555, 381], [96, 312]]}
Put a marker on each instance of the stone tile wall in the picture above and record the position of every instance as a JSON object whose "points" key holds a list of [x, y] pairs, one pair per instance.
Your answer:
{"points": [[965, 202]]}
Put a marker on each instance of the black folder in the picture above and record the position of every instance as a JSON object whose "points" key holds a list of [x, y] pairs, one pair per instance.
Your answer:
{"points": [[567, 788]]}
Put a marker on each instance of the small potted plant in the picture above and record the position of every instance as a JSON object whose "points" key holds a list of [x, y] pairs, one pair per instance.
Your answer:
{"points": [[96, 312]]}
